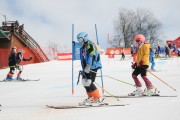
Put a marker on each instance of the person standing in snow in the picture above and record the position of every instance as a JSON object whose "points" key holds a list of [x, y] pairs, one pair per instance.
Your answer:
{"points": [[20, 58], [14, 60], [174, 47], [167, 52], [132, 50], [90, 62], [151, 58], [140, 67], [12, 63], [123, 55]]}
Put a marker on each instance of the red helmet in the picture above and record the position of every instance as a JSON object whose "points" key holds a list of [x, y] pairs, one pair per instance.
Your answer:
{"points": [[140, 37]]}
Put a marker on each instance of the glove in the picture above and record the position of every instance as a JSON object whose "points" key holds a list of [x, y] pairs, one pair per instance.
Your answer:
{"points": [[30, 58], [134, 65], [87, 69], [140, 63]]}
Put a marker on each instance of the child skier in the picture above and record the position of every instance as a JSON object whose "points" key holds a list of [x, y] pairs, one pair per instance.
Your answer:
{"points": [[19, 58], [14, 61], [90, 62], [140, 66]]}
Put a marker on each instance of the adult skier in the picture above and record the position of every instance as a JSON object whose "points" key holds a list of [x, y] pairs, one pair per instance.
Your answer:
{"points": [[90, 62], [140, 67]]}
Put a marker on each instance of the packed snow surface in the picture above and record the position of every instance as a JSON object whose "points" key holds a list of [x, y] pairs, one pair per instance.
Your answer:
{"points": [[27, 100]]}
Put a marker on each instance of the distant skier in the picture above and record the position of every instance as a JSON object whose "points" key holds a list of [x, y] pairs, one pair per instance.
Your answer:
{"points": [[90, 62], [151, 58], [20, 58], [132, 50], [14, 61], [123, 55], [174, 47], [167, 52], [140, 66]]}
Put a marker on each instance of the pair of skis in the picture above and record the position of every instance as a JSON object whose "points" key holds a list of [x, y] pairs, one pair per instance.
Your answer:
{"points": [[106, 104], [126, 96], [85, 106], [23, 80]]}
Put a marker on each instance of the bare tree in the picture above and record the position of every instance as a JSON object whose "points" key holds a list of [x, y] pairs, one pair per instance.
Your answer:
{"points": [[147, 25], [130, 23], [53, 49], [123, 27]]}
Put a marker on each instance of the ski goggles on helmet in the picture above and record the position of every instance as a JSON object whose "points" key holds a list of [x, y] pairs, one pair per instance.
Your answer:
{"points": [[80, 40]]}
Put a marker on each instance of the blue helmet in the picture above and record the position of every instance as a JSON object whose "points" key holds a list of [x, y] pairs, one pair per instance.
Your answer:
{"points": [[82, 36]]}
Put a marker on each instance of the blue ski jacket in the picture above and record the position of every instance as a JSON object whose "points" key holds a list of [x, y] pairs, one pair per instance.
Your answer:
{"points": [[90, 55]]}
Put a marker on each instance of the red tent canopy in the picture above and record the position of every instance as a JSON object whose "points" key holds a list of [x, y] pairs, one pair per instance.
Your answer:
{"points": [[176, 41]]}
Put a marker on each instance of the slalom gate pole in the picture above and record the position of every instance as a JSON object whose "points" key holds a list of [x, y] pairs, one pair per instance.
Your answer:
{"points": [[100, 69], [161, 80], [116, 79], [72, 60]]}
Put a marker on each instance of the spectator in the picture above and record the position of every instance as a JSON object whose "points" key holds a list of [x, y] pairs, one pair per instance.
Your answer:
{"points": [[132, 50], [174, 47]]}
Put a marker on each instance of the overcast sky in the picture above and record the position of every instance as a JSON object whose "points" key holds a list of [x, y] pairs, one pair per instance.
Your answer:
{"points": [[51, 20]]}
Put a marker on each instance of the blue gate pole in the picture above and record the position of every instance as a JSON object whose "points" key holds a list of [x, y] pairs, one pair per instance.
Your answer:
{"points": [[72, 60], [100, 69]]}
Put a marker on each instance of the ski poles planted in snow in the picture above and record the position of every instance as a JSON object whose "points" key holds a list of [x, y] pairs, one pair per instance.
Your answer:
{"points": [[161, 80], [107, 92]]}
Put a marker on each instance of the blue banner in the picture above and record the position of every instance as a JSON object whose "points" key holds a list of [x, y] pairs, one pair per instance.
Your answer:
{"points": [[76, 51]]}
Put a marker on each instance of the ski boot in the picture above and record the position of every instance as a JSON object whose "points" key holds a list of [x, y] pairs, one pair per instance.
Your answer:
{"points": [[9, 78], [98, 102], [137, 92], [87, 101], [151, 92], [19, 78]]}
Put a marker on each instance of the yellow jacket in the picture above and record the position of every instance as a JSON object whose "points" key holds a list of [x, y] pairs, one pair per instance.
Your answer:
{"points": [[143, 54]]}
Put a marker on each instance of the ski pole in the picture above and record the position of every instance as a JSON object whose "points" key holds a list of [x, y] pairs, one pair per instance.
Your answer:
{"points": [[121, 81], [161, 80], [116, 79], [107, 92]]}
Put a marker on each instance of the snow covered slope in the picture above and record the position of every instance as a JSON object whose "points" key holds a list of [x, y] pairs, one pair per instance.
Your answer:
{"points": [[27, 100]]}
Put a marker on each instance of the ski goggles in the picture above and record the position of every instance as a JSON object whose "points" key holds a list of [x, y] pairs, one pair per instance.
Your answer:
{"points": [[80, 40]]}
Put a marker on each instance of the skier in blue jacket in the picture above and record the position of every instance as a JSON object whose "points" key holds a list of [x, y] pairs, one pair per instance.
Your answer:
{"points": [[90, 62], [151, 59]]}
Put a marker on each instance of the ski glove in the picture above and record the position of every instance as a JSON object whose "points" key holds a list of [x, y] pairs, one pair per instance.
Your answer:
{"points": [[141, 63], [30, 58], [87, 69], [134, 65]]}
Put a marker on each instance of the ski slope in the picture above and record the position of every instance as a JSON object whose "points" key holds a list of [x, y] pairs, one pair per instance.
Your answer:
{"points": [[27, 100]]}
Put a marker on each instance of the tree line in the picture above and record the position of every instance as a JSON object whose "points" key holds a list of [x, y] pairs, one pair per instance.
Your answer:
{"points": [[129, 23]]}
